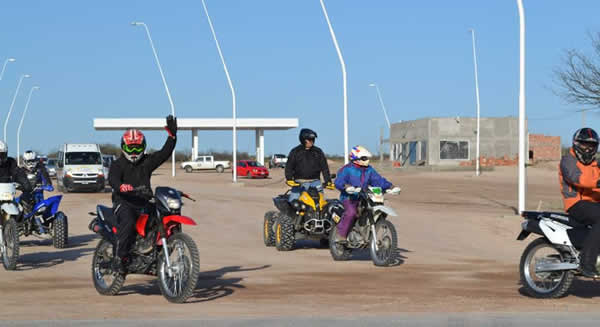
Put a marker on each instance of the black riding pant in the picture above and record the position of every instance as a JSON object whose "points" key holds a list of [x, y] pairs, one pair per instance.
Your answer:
{"points": [[126, 218], [588, 213]]}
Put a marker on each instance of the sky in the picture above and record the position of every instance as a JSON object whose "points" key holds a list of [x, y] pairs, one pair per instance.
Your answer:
{"points": [[90, 62]]}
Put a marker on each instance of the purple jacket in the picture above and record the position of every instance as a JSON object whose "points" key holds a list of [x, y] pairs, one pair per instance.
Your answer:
{"points": [[358, 176]]}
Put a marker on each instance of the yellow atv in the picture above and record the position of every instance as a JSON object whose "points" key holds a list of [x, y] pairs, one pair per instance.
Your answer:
{"points": [[311, 217]]}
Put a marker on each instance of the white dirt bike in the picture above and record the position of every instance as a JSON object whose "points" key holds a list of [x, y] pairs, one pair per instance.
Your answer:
{"points": [[550, 263], [371, 228], [9, 234]]}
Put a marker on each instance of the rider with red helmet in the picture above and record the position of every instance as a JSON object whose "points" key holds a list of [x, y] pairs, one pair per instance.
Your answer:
{"points": [[134, 168]]}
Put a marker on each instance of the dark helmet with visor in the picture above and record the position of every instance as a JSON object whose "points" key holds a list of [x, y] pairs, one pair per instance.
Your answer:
{"points": [[307, 134], [585, 145]]}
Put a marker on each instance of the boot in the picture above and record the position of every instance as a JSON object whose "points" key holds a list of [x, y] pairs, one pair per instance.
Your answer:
{"points": [[588, 264]]}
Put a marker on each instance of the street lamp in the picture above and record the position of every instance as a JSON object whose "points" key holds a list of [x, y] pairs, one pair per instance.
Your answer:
{"points": [[162, 75], [21, 123], [382, 105], [4, 66], [13, 103], [477, 172], [232, 93], [344, 81], [522, 134]]}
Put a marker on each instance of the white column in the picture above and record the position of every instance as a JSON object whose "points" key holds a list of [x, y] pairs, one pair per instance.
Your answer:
{"points": [[522, 127], [260, 145], [194, 144]]}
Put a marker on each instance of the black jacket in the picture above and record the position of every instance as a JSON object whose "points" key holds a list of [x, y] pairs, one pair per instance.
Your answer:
{"points": [[123, 171], [307, 164], [9, 172], [41, 173]]}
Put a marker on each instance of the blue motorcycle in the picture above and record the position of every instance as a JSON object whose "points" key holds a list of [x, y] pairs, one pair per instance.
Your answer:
{"points": [[41, 216]]}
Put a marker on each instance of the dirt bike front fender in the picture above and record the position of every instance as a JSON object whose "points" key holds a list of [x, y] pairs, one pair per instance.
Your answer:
{"points": [[178, 219]]}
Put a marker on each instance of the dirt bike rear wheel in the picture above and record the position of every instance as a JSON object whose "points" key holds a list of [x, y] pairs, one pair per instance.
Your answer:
{"points": [[185, 261], [543, 285], [10, 256], [106, 281], [339, 252]]}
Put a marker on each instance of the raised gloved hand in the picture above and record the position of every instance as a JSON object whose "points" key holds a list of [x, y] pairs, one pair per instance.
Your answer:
{"points": [[171, 126], [292, 183], [352, 190], [393, 190], [124, 188], [330, 186]]}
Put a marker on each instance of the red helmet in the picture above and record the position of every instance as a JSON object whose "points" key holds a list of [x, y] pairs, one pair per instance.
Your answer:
{"points": [[133, 145]]}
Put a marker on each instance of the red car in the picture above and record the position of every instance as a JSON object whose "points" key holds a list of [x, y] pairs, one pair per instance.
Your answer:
{"points": [[251, 168]]}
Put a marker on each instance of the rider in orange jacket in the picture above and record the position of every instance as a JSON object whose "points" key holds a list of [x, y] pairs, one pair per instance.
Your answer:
{"points": [[579, 178]]}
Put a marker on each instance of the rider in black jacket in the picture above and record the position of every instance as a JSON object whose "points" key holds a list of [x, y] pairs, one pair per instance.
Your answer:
{"points": [[33, 165], [133, 169], [306, 161], [9, 172]]}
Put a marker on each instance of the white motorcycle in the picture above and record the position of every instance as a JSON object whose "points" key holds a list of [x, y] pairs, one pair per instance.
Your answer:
{"points": [[9, 234], [371, 228], [550, 263]]}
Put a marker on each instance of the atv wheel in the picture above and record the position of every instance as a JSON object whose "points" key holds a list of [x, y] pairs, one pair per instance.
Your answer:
{"points": [[178, 286], [268, 232], [60, 231], [284, 233], [339, 252], [10, 255], [387, 243], [543, 285], [106, 281]]}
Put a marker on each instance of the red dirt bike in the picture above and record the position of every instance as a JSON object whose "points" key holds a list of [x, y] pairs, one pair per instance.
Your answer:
{"points": [[176, 265]]}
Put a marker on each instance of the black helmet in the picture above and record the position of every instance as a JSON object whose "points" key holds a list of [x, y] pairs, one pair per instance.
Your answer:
{"points": [[585, 145], [307, 134]]}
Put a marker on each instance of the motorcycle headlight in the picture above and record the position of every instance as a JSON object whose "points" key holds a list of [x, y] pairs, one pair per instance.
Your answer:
{"points": [[6, 196], [173, 203]]}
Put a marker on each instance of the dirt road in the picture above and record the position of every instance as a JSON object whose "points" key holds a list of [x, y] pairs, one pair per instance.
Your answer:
{"points": [[456, 236]]}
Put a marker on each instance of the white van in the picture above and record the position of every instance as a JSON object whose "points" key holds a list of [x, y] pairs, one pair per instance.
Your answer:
{"points": [[79, 167]]}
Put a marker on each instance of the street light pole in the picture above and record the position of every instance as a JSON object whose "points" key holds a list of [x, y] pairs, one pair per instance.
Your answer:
{"points": [[382, 105], [4, 66], [21, 124], [13, 103], [344, 80], [233, 99], [162, 75], [522, 172], [477, 171]]}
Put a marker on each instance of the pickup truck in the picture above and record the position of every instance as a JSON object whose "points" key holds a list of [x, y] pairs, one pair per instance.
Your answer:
{"points": [[278, 160], [205, 163]]}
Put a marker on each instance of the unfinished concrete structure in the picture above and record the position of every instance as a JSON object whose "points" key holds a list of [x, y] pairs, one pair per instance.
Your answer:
{"points": [[452, 141]]}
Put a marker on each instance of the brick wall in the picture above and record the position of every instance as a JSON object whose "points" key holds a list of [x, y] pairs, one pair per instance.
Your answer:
{"points": [[544, 148]]}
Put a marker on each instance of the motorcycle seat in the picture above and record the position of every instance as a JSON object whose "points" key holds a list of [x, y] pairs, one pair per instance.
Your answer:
{"points": [[107, 215], [560, 217]]}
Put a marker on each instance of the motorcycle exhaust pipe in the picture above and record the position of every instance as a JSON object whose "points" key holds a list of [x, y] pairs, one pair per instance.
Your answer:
{"points": [[101, 229]]}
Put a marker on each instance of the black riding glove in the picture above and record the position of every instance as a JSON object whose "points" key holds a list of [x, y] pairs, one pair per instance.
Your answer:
{"points": [[171, 126]]}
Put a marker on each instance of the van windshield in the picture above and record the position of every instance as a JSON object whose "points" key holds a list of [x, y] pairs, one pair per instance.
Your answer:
{"points": [[83, 158]]}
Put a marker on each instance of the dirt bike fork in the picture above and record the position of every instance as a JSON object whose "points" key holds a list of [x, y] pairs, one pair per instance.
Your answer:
{"points": [[2, 245], [163, 239], [373, 233]]}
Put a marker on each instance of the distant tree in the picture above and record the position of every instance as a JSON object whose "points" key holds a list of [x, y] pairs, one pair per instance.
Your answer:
{"points": [[578, 79]]}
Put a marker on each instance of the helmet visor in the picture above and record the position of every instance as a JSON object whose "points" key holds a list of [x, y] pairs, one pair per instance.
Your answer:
{"points": [[133, 149], [588, 147]]}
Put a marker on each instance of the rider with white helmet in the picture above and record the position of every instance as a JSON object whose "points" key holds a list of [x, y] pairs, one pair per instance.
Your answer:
{"points": [[10, 172], [351, 178], [36, 169]]}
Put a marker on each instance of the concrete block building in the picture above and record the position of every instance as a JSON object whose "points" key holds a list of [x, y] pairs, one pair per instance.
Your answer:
{"points": [[452, 141]]}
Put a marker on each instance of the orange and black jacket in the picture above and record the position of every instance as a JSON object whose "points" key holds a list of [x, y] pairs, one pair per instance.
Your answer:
{"points": [[578, 181]]}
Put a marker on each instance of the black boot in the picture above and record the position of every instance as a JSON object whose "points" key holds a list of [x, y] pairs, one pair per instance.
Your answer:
{"points": [[588, 264]]}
